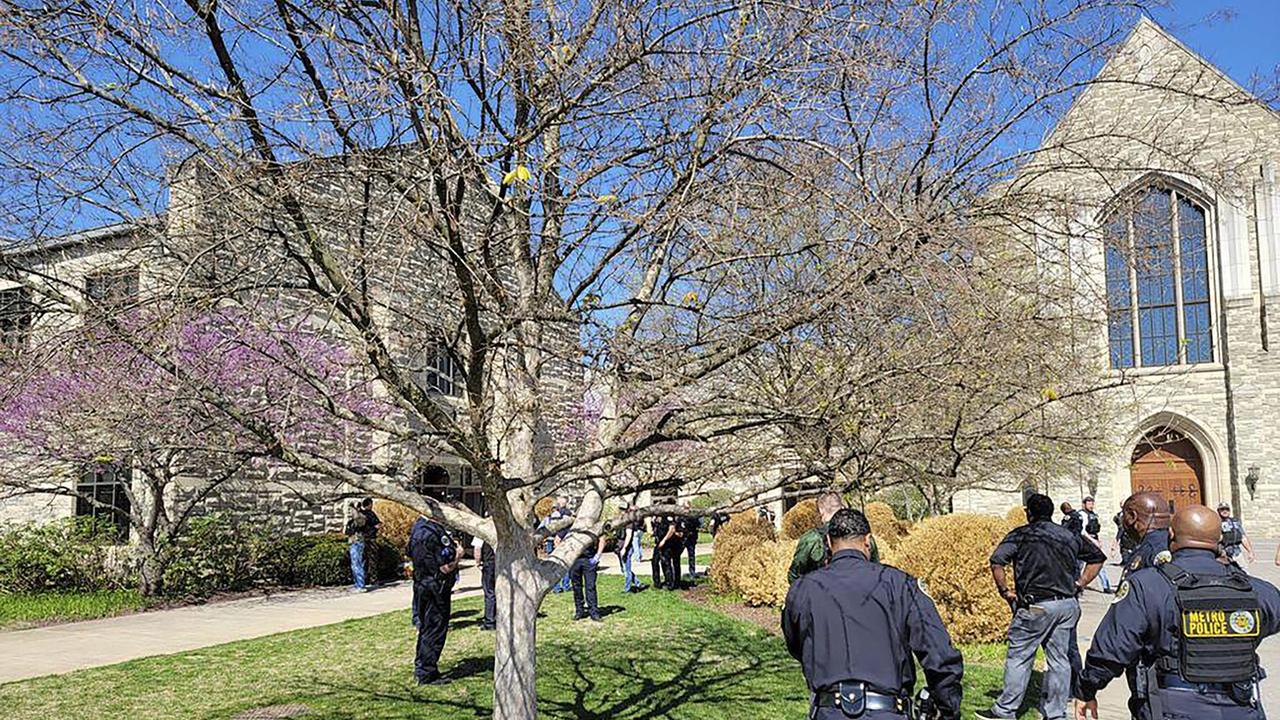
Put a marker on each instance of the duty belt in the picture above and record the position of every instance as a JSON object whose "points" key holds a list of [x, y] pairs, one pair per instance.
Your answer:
{"points": [[1175, 682], [1025, 601], [873, 701]]}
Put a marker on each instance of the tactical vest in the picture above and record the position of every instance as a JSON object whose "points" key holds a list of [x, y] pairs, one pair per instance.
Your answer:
{"points": [[1092, 527], [1232, 533], [1219, 625]]}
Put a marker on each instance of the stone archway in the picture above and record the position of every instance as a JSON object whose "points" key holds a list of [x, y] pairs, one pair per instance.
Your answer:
{"points": [[1167, 461]]}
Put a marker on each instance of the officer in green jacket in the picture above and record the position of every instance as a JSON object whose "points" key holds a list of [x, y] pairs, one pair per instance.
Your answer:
{"points": [[812, 551]]}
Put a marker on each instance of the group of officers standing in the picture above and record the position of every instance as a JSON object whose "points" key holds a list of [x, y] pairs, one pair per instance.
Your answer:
{"points": [[1183, 627], [435, 556]]}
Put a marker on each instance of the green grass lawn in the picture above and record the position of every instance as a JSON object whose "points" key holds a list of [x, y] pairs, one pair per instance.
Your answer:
{"points": [[655, 656], [21, 609]]}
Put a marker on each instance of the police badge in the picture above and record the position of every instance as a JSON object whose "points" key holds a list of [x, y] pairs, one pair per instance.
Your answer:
{"points": [[1122, 592]]}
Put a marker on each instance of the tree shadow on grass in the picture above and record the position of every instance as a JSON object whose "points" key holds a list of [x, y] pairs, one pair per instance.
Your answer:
{"points": [[720, 671]]}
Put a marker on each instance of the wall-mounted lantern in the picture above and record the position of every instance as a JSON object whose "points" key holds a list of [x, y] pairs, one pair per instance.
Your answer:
{"points": [[1251, 480]]}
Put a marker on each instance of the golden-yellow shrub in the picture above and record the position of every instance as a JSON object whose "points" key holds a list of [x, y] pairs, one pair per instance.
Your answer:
{"points": [[1017, 515], [397, 521], [748, 523], [759, 573], [725, 550], [542, 508], [885, 526], [744, 531], [800, 519], [951, 555]]}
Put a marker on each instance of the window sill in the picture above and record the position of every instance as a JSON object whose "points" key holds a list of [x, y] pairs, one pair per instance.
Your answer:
{"points": [[1163, 370]]}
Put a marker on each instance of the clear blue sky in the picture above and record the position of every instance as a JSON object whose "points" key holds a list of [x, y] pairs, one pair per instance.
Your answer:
{"points": [[1239, 36]]}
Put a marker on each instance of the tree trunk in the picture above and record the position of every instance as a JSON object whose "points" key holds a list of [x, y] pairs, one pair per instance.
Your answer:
{"points": [[520, 589], [151, 569]]}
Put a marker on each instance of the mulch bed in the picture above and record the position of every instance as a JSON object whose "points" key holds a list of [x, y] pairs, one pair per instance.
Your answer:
{"points": [[765, 618]]}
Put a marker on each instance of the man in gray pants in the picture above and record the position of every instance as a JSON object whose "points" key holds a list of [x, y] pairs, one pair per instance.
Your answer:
{"points": [[1044, 556]]}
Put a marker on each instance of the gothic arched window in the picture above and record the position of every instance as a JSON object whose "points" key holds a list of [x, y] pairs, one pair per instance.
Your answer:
{"points": [[1157, 266]]}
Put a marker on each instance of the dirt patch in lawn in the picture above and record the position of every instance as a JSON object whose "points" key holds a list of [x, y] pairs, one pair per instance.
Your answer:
{"points": [[766, 618]]}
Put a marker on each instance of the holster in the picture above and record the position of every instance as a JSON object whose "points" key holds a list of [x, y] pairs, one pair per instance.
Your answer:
{"points": [[851, 698], [1149, 683]]}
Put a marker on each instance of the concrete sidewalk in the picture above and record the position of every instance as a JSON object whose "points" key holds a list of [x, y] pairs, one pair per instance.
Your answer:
{"points": [[63, 648], [73, 646]]}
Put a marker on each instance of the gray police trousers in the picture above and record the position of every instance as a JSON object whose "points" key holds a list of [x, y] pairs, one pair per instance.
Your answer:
{"points": [[1048, 625]]}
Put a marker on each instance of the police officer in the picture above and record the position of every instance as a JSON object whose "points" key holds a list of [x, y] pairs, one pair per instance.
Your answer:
{"points": [[1146, 517], [435, 569], [659, 529], [835, 613], [1191, 626], [1092, 530], [1072, 519], [689, 527], [582, 576], [668, 547], [1234, 538], [1047, 579]]}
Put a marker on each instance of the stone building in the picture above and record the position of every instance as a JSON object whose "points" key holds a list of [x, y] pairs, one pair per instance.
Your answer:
{"points": [[1165, 170], [213, 236]]}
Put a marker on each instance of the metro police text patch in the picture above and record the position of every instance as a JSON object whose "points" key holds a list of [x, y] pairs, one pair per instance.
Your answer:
{"points": [[1219, 623]]}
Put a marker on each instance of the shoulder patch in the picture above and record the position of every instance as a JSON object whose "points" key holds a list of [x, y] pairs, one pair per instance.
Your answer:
{"points": [[1122, 592], [923, 588], [1162, 557]]}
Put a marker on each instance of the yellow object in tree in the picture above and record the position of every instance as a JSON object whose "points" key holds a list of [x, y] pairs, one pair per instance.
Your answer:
{"points": [[519, 173]]}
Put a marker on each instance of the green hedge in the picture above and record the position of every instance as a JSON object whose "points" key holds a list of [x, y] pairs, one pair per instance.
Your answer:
{"points": [[223, 556], [214, 555], [60, 556]]}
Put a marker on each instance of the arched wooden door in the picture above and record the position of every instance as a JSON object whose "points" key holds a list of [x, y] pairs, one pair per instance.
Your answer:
{"points": [[1165, 461]]}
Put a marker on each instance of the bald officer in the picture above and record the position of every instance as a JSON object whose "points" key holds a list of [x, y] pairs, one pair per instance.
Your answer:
{"points": [[855, 625], [1145, 516], [1191, 626]]}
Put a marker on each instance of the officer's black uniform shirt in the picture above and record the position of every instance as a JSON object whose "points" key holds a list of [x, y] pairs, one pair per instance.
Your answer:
{"points": [[1092, 525], [1044, 557], [1141, 625], [689, 527], [1147, 553], [660, 526], [862, 621], [426, 541]]}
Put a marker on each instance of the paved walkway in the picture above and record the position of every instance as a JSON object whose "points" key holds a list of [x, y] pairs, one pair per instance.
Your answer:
{"points": [[74, 646]]}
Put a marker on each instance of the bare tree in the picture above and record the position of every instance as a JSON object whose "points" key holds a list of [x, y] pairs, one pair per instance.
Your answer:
{"points": [[494, 199]]}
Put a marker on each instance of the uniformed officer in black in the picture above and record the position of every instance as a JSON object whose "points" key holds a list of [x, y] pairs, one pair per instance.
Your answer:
{"points": [[1146, 517], [660, 527], [1192, 627], [435, 569], [855, 625]]}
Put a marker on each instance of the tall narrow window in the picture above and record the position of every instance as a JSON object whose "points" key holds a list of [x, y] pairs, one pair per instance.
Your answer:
{"points": [[1119, 305], [103, 495], [17, 313], [443, 373], [1157, 270]]}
